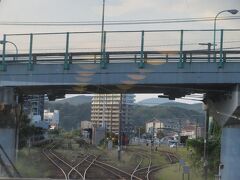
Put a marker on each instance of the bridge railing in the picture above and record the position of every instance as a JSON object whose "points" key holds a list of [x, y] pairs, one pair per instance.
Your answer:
{"points": [[140, 47]]}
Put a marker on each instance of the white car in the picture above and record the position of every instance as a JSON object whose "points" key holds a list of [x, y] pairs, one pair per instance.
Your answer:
{"points": [[172, 145]]}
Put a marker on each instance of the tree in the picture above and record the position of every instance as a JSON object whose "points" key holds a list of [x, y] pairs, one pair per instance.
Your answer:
{"points": [[213, 149], [26, 131]]}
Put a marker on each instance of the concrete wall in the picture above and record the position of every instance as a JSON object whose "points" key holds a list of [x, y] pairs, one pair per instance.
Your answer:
{"points": [[7, 140], [230, 154]]}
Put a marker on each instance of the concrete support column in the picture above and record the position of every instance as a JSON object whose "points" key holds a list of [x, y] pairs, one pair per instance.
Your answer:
{"points": [[230, 153], [7, 96], [8, 128]]}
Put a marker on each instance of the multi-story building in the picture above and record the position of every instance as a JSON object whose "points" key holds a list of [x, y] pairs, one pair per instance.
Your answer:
{"points": [[106, 110], [34, 107]]}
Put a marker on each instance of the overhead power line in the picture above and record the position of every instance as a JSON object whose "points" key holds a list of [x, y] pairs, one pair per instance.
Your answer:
{"points": [[112, 23]]}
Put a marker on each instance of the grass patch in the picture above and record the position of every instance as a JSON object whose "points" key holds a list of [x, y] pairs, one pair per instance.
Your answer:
{"points": [[172, 172], [32, 164]]}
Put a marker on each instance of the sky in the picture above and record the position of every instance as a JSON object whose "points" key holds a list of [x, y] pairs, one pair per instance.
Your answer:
{"points": [[116, 10], [90, 10]]}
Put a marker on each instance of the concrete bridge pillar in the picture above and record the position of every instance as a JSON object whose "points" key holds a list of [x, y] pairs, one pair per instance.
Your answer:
{"points": [[225, 108], [8, 130], [230, 153]]}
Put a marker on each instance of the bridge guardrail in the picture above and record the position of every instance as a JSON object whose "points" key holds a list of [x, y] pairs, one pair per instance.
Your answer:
{"points": [[140, 47]]}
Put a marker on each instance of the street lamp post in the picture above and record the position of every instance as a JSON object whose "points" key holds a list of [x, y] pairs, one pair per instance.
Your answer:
{"points": [[5, 42], [102, 31], [232, 11]]}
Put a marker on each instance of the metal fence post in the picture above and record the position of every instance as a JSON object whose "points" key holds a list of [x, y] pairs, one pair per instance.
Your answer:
{"points": [[141, 64], [3, 64], [66, 59], [30, 61], [180, 64], [221, 51]]}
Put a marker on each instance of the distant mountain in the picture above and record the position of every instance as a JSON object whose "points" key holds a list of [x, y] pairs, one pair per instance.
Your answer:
{"points": [[75, 101], [196, 107], [169, 103], [142, 114], [153, 101]]}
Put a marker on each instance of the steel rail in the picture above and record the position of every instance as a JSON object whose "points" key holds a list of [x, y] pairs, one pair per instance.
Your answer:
{"points": [[106, 169], [149, 168], [85, 172], [64, 162], [117, 169], [136, 168], [53, 162], [74, 168]]}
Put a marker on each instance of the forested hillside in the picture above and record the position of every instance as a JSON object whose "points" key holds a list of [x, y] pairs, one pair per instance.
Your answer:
{"points": [[71, 115]]}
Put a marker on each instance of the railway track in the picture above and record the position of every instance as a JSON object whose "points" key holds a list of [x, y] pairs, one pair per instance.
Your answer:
{"points": [[145, 173], [88, 168], [141, 172], [58, 162]]}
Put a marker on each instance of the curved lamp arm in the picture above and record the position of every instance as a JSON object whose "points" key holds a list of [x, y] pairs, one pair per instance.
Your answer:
{"points": [[4, 42]]}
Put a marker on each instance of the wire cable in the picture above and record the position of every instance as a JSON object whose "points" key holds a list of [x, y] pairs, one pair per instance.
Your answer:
{"points": [[111, 23]]}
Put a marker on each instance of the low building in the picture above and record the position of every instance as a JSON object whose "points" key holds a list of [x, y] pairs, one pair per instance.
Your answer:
{"points": [[189, 131], [167, 125], [192, 131], [86, 125], [52, 118], [86, 130], [154, 125]]}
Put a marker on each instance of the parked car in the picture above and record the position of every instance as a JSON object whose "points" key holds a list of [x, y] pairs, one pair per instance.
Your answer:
{"points": [[173, 145]]}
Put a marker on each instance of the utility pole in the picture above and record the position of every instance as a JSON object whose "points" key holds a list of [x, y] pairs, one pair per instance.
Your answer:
{"points": [[120, 129], [139, 135], [196, 130], [205, 157], [111, 116], [180, 130]]}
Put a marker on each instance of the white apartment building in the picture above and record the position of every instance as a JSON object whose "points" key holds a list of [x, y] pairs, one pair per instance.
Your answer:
{"points": [[106, 110]]}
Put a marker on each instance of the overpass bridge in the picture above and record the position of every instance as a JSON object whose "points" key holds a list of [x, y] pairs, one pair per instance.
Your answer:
{"points": [[130, 61], [160, 61]]}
